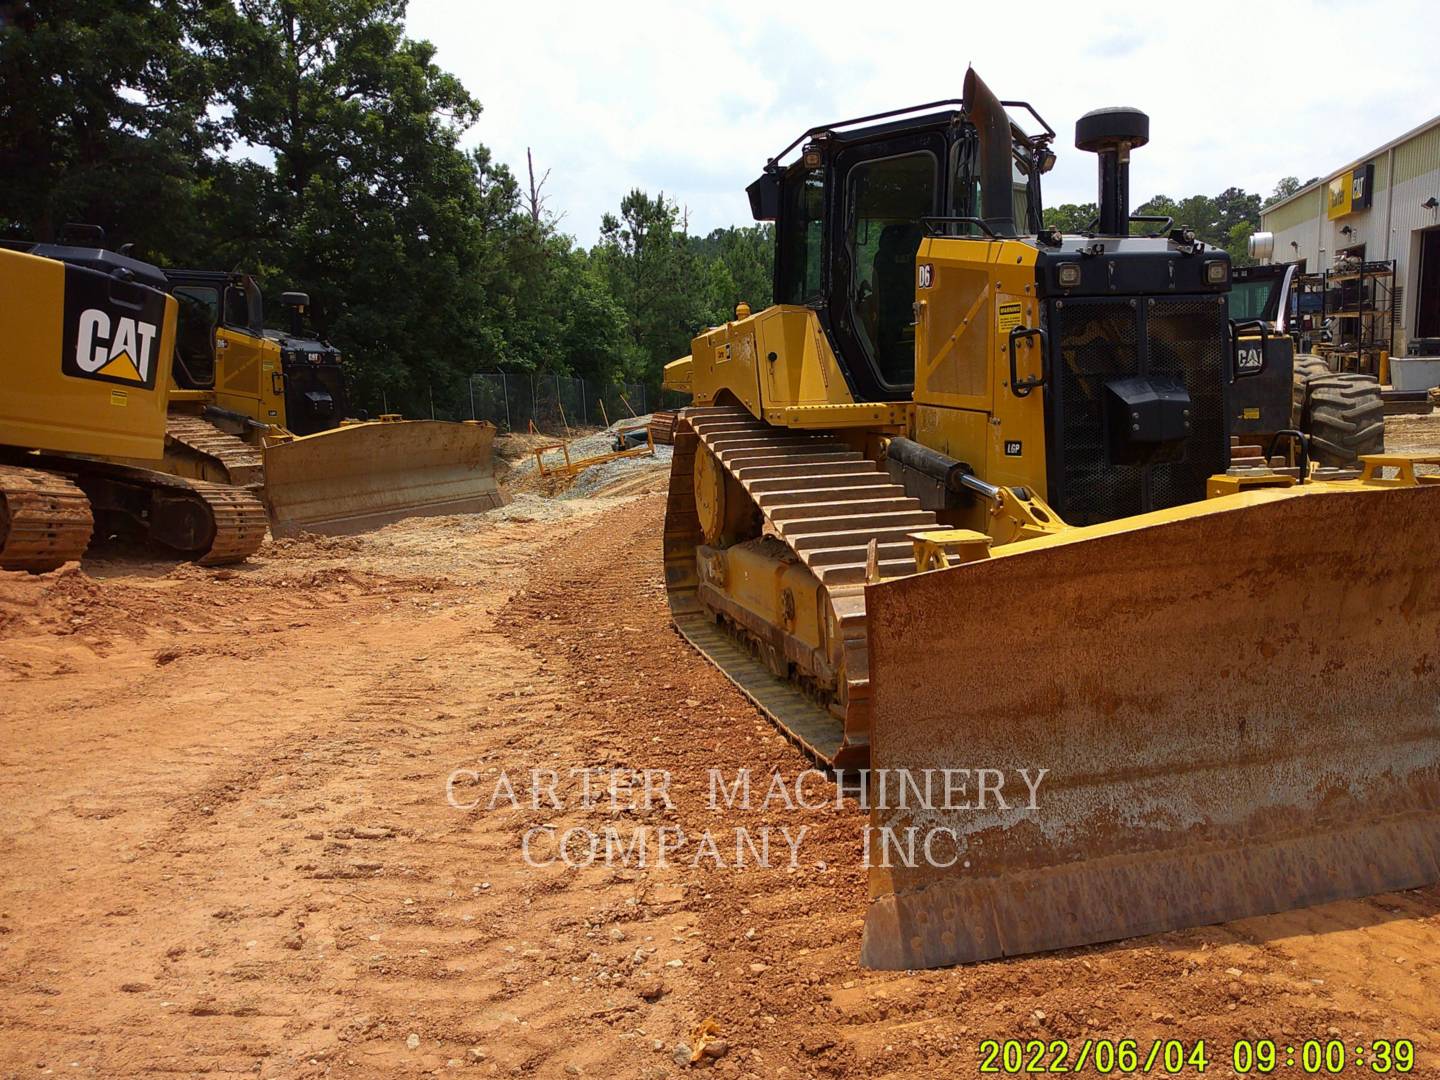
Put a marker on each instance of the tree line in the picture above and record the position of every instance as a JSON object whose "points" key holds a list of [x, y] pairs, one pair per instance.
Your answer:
{"points": [[314, 145], [1226, 220]]}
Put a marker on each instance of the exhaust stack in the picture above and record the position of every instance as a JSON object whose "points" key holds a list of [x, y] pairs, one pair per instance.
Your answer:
{"points": [[992, 124], [1112, 133]]}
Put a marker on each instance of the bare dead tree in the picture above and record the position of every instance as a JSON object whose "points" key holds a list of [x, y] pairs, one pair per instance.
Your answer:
{"points": [[536, 200]]}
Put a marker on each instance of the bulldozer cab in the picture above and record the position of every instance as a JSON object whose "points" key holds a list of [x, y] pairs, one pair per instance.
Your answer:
{"points": [[214, 307], [284, 379], [1259, 302], [1263, 293], [851, 212]]}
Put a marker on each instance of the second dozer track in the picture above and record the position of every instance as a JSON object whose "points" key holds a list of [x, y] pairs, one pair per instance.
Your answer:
{"points": [[826, 503], [53, 499], [196, 448]]}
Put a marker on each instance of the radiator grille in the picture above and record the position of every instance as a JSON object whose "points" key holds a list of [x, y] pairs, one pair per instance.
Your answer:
{"points": [[1098, 340], [1187, 338]]}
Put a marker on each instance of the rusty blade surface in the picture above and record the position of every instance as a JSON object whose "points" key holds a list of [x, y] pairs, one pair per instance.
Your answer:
{"points": [[361, 476], [1239, 710]]}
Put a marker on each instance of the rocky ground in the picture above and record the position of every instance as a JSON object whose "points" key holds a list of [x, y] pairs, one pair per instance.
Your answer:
{"points": [[252, 823]]}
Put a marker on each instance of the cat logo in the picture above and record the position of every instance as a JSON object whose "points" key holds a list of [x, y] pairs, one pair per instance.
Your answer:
{"points": [[111, 330], [122, 348], [1251, 359]]}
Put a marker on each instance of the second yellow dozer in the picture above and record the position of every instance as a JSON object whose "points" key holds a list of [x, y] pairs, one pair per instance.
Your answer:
{"points": [[959, 513], [83, 411], [262, 408]]}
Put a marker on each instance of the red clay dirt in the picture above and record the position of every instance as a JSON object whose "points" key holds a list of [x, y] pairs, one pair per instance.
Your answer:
{"points": [[228, 848]]}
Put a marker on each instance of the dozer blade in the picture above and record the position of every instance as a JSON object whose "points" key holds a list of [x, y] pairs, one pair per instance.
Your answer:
{"points": [[361, 476], [1238, 703]]}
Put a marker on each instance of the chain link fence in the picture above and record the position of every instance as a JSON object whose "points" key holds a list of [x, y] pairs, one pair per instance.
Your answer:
{"points": [[515, 401], [552, 403]]}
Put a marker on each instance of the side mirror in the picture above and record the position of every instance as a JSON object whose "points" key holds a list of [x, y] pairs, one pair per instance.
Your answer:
{"points": [[765, 197], [1261, 245]]}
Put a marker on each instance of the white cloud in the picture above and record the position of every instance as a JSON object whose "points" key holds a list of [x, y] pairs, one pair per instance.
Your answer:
{"points": [[692, 98]]}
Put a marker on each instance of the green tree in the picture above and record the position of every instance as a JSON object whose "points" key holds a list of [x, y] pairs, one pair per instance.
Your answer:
{"points": [[741, 268], [1226, 220], [102, 121], [1284, 188], [372, 206], [1071, 217], [653, 274]]}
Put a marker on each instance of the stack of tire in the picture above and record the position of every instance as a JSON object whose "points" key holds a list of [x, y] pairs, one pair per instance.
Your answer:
{"points": [[1342, 412]]}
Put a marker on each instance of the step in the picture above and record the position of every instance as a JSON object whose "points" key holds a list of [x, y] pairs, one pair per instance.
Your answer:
{"points": [[799, 471], [799, 455], [858, 533], [781, 484], [797, 506]]}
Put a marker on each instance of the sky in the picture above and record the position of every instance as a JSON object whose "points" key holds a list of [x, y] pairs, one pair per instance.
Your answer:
{"points": [[692, 98]]}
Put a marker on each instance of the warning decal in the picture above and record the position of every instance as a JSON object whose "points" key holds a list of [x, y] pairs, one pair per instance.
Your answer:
{"points": [[1008, 316]]}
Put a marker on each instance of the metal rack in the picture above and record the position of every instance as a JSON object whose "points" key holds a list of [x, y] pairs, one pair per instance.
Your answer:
{"points": [[1361, 301]]}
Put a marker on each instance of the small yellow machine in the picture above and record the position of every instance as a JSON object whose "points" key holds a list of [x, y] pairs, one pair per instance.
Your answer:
{"points": [[258, 407], [87, 334], [960, 508]]}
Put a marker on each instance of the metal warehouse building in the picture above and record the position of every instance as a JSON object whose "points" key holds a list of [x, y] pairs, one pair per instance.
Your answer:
{"points": [[1382, 207]]}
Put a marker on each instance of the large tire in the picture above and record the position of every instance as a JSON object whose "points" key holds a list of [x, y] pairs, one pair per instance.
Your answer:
{"points": [[1341, 412]]}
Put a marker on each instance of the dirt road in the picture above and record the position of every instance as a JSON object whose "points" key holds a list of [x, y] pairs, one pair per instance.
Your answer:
{"points": [[232, 843]]}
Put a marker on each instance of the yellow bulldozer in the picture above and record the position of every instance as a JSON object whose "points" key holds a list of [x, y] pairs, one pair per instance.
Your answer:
{"points": [[962, 505], [154, 404], [262, 407], [87, 334]]}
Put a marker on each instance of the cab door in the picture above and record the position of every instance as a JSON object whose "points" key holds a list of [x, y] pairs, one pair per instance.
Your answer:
{"points": [[248, 375], [885, 188]]}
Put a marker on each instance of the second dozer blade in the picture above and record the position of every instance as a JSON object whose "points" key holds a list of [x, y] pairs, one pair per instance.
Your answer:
{"points": [[361, 476], [1238, 704]]}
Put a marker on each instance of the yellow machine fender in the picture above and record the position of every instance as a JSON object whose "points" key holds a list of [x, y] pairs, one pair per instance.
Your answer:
{"points": [[361, 476], [1237, 702]]}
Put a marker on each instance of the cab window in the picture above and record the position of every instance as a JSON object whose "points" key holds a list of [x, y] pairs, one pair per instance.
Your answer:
{"points": [[1250, 299], [242, 307], [887, 199], [965, 192], [1020, 207], [801, 226], [199, 311]]}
